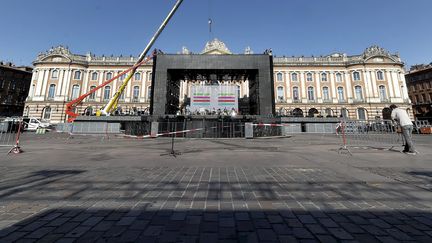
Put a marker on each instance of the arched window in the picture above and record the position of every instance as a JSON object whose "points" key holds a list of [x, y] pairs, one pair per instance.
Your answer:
{"points": [[47, 113], [77, 75], [137, 76], [324, 77], [107, 93], [150, 76], [358, 93], [338, 77], [280, 93], [311, 95], [94, 76], [136, 90], [149, 92], [88, 111], [92, 95], [122, 77], [297, 112], [309, 77], [238, 91], [296, 93], [279, 77], [54, 74], [326, 95], [329, 112], [361, 112], [122, 96], [294, 77], [380, 75], [51, 91], [75, 91], [356, 76], [382, 93], [108, 76], [341, 96], [27, 111], [344, 113]]}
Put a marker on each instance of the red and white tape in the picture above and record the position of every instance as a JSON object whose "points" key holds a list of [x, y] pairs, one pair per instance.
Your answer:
{"points": [[163, 134], [272, 125]]}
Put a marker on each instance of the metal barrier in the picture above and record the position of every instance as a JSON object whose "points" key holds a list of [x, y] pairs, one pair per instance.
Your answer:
{"points": [[10, 132], [94, 128], [422, 127], [377, 134], [201, 129]]}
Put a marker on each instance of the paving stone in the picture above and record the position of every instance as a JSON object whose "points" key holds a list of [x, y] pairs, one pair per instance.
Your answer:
{"points": [[77, 232], [340, 233], [302, 233], [245, 226], [92, 221], [306, 219], [282, 229], [326, 238], [130, 235], [226, 233], [287, 239], [209, 227], [352, 228], [266, 235], [125, 221], [316, 229], [327, 222], [103, 226], [209, 237]]}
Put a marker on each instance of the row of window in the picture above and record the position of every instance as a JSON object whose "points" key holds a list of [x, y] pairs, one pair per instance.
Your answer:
{"points": [[324, 76], [422, 98], [106, 92], [326, 93], [297, 112], [95, 75]]}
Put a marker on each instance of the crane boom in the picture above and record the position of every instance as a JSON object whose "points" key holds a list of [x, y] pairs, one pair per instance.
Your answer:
{"points": [[112, 104]]}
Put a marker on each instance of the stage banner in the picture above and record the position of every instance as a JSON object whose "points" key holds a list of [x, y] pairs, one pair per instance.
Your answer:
{"points": [[213, 98]]}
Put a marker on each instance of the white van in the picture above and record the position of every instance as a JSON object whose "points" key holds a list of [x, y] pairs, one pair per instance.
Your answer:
{"points": [[31, 124]]}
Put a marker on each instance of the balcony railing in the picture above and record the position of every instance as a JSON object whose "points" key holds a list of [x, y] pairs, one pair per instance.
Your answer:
{"points": [[297, 101]]}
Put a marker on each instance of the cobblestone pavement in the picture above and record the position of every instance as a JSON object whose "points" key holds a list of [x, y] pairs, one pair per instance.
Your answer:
{"points": [[310, 199]]}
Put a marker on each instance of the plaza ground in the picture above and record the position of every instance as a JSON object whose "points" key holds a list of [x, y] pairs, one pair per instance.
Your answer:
{"points": [[85, 189]]}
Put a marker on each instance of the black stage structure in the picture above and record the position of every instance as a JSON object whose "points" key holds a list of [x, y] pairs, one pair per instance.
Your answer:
{"points": [[170, 69]]}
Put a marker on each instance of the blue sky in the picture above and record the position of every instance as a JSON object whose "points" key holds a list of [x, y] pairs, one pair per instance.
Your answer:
{"points": [[289, 27]]}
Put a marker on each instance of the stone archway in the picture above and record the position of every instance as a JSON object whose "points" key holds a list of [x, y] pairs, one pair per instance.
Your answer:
{"points": [[297, 112]]}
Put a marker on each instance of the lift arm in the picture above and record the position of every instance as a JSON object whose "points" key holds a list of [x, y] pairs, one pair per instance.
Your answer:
{"points": [[112, 104]]}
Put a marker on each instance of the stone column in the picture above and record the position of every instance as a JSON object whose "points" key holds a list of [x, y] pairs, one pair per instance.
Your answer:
{"points": [[348, 84], [333, 94], [372, 74], [39, 82], [288, 86], [302, 86], [318, 87], [396, 87], [389, 82]]}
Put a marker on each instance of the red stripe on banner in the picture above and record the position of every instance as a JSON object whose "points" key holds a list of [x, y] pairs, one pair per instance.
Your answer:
{"points": [[201, 100], [224, 100]]}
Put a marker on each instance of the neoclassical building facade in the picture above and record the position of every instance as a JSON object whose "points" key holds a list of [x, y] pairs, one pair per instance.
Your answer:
{"points": [[357, 86]]}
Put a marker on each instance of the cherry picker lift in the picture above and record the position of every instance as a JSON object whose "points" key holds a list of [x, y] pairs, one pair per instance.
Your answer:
{"points": [[111, 106]]}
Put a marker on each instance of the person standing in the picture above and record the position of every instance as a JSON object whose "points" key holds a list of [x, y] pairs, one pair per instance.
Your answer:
{"points": [[402, 118]]}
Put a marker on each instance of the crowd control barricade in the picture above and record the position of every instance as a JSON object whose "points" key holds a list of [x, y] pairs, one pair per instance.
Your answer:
{"points": [[100, 129], [383, 134], [201, 129], [422, 127], [10, 132], [274, 130]]}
